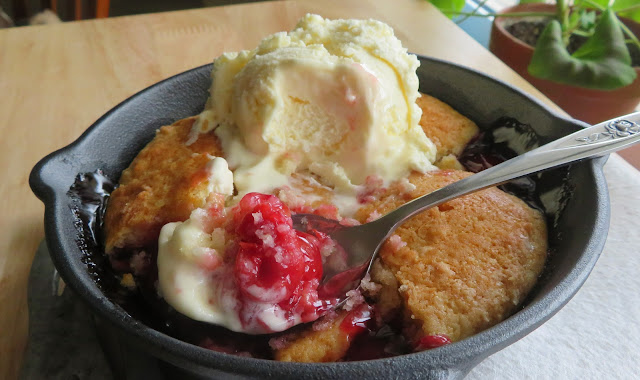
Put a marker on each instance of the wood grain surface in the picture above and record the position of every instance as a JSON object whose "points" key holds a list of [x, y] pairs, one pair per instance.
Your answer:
{"points": [[55, 80]]}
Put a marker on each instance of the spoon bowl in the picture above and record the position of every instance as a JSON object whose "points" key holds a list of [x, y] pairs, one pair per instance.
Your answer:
{"points": [[360, 244]]}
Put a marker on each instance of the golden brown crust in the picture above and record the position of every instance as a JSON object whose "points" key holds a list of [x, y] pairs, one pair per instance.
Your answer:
{"points": [[468, 263], [328, 345], [448, 129], [163, 184], [387, 299]]}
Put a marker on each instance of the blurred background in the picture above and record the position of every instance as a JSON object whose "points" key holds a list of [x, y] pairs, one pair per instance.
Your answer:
{"points": [[21, 13], [25, 12], [35, 12]]}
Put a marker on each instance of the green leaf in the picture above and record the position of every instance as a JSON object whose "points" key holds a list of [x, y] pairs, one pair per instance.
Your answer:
{"points": [[582, 19], [587, 19], [602, 62], [531, 1], [624, 4], [574, 19], [448, 6], [603, 3]]}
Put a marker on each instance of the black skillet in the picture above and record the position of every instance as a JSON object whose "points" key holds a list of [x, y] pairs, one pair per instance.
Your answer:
{"points": [[575, 198]]}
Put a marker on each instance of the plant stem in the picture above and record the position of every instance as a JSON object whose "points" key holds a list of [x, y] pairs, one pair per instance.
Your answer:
{"points": [[633, 7], [515, 14], [582, 33], [475, 11], [629, 33], [562, 14], [595, 5]]}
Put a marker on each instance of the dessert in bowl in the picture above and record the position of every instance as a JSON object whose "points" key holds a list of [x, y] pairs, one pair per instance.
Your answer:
{"points": [[441, 301]]}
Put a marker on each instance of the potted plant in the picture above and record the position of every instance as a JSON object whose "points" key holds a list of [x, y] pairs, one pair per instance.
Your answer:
{"points": [[579, 54]]}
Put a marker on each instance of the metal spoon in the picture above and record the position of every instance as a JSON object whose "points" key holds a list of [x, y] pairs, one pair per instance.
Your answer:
{"points": [[362, 243]]}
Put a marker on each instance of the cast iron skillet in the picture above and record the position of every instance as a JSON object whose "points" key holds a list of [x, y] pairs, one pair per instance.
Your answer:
{"points": [[576, 200]]}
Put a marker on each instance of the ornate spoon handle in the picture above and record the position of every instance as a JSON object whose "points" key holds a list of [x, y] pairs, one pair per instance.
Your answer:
{"points": [[595, 141]]}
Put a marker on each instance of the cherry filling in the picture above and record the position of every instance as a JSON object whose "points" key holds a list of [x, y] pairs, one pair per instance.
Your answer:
{"points": [[275, 264], [357, 321], [428, 342]]}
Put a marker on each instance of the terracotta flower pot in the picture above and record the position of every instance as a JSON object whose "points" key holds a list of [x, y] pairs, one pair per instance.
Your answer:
{"points": [[592, 106]]}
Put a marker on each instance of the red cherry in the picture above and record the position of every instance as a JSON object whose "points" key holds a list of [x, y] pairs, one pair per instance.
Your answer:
{"points": [[273, 258], [275, 264], [428, 342], [260, 211], [356, 321]]}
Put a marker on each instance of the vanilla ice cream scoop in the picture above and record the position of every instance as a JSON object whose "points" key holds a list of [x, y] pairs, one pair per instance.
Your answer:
{"points": [[332, 97]]}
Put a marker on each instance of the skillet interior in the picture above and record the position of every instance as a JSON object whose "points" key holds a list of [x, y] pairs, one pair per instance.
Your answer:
{"points": [[576, 199]]}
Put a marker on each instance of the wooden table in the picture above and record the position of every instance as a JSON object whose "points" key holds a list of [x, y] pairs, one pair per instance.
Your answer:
{"points": [[55, 80]]}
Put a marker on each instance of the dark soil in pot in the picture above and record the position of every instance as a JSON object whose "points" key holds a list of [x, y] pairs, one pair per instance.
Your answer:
{"points": [[529, 31]]}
